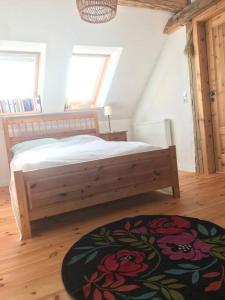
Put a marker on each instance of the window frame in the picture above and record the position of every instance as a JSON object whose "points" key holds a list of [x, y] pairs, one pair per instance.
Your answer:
{"points": [[93, 102], [37, 56]]}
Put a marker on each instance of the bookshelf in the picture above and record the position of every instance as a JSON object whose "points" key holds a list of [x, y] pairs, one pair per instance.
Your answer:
{"points": [[20, 106]]}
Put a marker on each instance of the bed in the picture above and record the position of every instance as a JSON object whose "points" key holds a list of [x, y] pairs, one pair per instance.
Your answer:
{"points": [[52, 189]]}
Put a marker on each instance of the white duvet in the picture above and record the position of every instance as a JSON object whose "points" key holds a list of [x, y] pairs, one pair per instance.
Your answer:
{"points": [[46, 153]]}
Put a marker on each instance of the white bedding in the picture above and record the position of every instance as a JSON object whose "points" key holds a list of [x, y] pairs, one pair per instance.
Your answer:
{"points": [[76, 149]]}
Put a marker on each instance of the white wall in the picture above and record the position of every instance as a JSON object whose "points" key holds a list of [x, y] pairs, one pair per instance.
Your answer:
{"points": [[57, 24], [163, 98]]}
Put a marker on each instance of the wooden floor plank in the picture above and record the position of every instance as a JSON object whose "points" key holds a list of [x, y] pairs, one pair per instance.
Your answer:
{"points": [[32, 269]]}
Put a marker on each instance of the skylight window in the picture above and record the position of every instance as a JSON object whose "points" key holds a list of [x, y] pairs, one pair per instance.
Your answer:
{"points": [[85, 79], [19, 82], [90, 76]]}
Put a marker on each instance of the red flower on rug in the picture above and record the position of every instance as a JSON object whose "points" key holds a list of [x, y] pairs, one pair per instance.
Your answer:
{"points": [[169, 225], [124, 262], [184, 246]]}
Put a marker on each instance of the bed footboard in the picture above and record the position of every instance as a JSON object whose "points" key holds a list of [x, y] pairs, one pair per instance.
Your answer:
{"points": [[174, 171], [52, 191], [20, 206]]}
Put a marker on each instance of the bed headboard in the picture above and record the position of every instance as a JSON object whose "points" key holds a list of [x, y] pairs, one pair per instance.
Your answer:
{"points": [[23, 128]]}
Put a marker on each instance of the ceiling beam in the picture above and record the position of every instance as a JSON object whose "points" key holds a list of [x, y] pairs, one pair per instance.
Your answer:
{"points": [[168, 5], [187, 14]]}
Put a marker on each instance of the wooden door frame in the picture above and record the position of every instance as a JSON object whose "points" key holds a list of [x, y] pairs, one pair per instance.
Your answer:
{"points": [[200, 90]]}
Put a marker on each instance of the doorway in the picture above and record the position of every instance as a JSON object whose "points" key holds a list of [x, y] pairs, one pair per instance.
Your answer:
{"points": [[209, 88], [215, 38]]}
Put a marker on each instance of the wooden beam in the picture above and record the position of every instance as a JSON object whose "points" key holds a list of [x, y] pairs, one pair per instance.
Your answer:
{"points": [[202, 92], [168, 5], [189, 51], [188, 13]]}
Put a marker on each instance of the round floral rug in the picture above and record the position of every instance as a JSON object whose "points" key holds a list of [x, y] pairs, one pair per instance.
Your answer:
{"points": [[148, 258]]}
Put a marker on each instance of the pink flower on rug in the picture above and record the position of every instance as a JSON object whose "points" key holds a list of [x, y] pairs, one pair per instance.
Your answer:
{"points": [[184, 246], [140, 230], [169, 225]]}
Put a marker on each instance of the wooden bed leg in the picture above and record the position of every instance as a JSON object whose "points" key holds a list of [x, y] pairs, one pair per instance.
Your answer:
{"points": [[176, 191], [22, 210], [175, 179]]}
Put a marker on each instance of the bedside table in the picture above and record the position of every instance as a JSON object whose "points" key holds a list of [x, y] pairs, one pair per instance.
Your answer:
{"points": [[114, 136]]}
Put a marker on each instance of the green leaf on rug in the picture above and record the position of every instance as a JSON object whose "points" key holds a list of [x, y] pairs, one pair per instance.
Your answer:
{"points": [[91, 257], [195, 277], [176, 295], [176, 271], [76, 258], [188, 266], [203, 230]]}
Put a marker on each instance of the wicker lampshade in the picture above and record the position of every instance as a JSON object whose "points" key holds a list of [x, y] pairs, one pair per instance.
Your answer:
{"points": [[97, 11]]}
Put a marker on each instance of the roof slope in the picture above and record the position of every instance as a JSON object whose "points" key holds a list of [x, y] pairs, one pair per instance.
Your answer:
{"points": [[57, 23]]}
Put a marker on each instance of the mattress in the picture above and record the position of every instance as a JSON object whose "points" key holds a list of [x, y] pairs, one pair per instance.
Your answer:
{"points": [[45, 153]]}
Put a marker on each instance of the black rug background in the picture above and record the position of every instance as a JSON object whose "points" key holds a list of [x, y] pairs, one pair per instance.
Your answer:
{"points": [[73, 274]]}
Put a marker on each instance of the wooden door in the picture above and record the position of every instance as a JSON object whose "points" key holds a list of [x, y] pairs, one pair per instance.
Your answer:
{"points": [[215, 32]]}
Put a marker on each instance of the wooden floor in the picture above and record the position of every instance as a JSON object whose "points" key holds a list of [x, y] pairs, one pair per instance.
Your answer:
{"points": [[31, 269]]}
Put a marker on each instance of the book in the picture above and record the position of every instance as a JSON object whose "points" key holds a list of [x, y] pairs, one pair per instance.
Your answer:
{"points": [[18, 105]]}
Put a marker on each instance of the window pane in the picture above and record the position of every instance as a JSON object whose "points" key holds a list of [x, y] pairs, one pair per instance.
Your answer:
{"points": [[84, 78], [17, 76]]}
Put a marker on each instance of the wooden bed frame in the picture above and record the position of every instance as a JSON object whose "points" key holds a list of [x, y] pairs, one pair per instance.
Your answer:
{"points": [[56, 190]]}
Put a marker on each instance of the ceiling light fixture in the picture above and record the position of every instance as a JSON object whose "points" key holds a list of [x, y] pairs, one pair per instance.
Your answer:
{"points": [[97, 11]]}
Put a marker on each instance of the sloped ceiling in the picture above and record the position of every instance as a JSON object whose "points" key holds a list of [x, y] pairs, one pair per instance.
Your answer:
{"points": [[57, 23]]}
